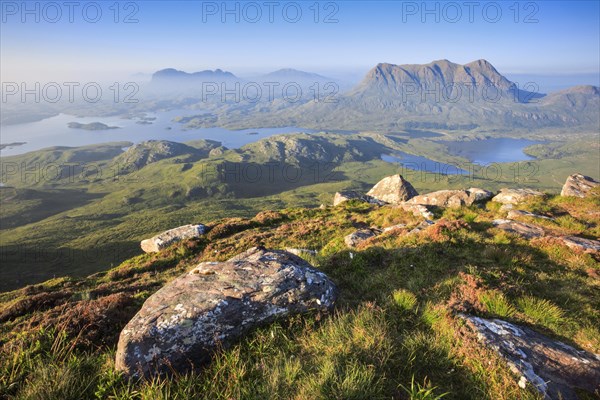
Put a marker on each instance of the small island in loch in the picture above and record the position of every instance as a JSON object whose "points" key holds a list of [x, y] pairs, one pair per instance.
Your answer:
{"points": [[92, 126]]}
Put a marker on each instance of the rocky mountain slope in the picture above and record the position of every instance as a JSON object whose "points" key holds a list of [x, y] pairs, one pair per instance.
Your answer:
{"points": [[422, 304], [442, 95]]}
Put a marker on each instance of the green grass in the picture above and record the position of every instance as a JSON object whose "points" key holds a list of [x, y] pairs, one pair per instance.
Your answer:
{"points": [[393, 333], [541, 311]]}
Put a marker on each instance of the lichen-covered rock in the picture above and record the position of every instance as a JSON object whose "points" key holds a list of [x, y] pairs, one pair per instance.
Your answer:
{"points": [[515, 196], [528, 231], [578, 185], [214, 305], [167, 238], [554, 368], [341, 197], [451, 198], [356, 237], [393, 190], [581, 244]]}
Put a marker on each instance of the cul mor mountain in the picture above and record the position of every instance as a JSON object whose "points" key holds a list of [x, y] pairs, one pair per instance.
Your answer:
{"points": [[441, 94]]}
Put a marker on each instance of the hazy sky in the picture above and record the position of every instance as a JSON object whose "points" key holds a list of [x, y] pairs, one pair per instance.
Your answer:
{"points": [[545, 37]]}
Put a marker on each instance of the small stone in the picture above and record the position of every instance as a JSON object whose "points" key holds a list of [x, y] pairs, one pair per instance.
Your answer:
{"points": [[512, 214], [342, 197], [522, 229], [359, 236]]}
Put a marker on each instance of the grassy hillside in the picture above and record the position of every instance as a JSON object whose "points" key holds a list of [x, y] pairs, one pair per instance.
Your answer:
{"points": [[393, 334], [76, 211]]}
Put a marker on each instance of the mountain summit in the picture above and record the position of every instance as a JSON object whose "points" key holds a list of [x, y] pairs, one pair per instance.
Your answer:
{"points": [[437, 78]]}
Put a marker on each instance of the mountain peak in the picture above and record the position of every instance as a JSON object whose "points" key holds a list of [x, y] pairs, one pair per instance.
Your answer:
{"points": [[386, 76]]}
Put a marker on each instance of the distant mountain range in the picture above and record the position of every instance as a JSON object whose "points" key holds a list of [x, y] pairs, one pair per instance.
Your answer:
{"points": [[445, 95], [441, 94]]}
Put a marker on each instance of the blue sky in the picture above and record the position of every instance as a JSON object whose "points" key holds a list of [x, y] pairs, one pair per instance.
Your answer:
{"points": [[559, 37]]}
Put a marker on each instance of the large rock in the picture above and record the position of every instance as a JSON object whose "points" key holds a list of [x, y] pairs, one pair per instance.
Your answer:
{"points": [[359, 236], [167, 238], [341, 197], [515, 196], [451, 198], [393, 190], [554, 368], [578, 185], [528, 231], [214, 305]]}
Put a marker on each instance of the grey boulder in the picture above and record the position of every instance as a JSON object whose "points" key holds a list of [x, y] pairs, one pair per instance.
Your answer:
{"points": [[581, 244], [214, 305], [393, 189], [167, 238], [553, 368], [515, 196], [578, 185], [452, 198], [527, 231]]}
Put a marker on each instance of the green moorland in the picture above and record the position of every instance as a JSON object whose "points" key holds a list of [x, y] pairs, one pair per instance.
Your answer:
{"points": [[394, 332], [76, 211]]}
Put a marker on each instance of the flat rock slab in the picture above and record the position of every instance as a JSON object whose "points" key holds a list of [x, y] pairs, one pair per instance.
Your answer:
{"points": [[359, 236], [452, 198], [393, 190], [341, 197], [512, 214], [167, 238], [515, 196], [214, 305], [578, 185], [528, 231], [553, 368], [581, 244]]}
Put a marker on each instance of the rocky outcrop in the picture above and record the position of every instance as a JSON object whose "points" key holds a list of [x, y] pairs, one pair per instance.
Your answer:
{"points": [[393, 190], [214, 305], [581, 244], [527, 231], [515, 196], [359, 236], [578, 185], [341, 197], [553, 368], [167, 238], [452, 198]]}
